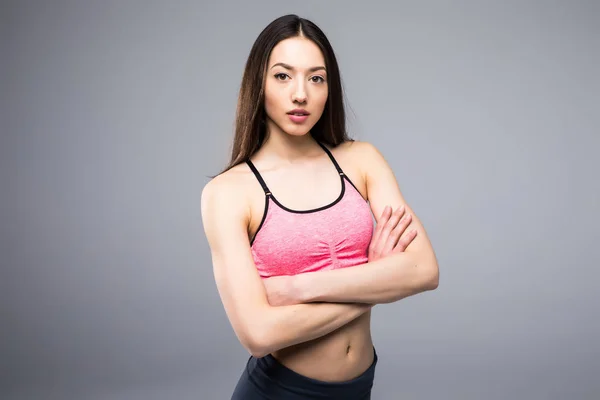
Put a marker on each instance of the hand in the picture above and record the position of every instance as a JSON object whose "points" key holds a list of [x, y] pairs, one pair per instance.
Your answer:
{"points": [[387, 236], [280, 290]]}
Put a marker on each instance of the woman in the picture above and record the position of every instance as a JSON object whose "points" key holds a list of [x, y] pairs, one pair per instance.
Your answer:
{"points": [[296, 260]]}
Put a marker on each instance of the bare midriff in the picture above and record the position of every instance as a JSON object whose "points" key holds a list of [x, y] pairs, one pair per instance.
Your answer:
{"points": [[339, 356]]}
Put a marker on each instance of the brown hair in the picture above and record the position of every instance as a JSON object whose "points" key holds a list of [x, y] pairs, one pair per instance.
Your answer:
{"points": [[250, 126]]}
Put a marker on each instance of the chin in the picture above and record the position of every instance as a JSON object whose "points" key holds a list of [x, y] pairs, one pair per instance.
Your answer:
{"points": [[298, 129], [293, 129], [298, 132]]}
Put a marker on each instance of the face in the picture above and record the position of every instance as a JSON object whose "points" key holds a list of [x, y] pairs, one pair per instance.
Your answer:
{"points": [[295, 86]]}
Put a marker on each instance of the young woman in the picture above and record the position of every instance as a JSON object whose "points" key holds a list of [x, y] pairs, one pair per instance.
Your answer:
{"points": [[297, 261]]}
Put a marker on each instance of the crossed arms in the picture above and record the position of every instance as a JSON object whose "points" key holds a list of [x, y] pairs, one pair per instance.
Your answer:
{"points": [[280, 312]]}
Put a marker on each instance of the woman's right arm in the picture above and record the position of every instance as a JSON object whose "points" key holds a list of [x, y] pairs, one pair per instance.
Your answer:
{"points": [[261, 328]]}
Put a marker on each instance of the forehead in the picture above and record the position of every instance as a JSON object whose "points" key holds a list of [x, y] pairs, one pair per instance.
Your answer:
{"points": [[298, 52]]}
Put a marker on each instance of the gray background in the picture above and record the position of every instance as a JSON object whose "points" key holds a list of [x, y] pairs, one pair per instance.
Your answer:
{"points": [[114, 113]]}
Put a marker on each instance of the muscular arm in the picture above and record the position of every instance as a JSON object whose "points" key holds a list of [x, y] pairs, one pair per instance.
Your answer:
{"points": [[261, 328], [388, 279], [383, 281]]}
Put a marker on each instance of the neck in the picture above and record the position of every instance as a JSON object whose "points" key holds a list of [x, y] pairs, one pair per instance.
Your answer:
{"points": [[282, 147]]}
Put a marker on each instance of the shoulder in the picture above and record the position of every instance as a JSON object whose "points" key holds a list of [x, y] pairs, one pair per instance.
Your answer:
{"points": [[358, 149], [364, 155], [225, 196]]}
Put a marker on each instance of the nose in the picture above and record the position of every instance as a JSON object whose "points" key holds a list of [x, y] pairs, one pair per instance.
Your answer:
{"points": [[299, 95]]}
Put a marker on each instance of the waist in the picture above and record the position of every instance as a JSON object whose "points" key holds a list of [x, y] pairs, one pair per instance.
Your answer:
{"points": [[342, 355]]}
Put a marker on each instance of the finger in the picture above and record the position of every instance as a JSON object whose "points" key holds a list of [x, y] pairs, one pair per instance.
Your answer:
{"points": [[379, 245], [405, 241], [403, 224], [399, 231], [383, 219], [395, 235], [390, 235], [386, 212], [390, 243], [393, 221]]}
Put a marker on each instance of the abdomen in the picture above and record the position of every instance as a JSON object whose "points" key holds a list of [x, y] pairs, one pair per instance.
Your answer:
{"points": [[336, 357]]}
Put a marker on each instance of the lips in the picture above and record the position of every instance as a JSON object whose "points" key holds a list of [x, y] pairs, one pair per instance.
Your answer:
{"points": [[298, 116], [299, 112]]}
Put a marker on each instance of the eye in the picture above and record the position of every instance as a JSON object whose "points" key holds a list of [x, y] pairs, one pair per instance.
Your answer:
{"points": [[317, 79], [281, 76]]}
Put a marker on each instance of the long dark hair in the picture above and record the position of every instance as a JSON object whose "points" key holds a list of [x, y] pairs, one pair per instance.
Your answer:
{"points": [[250, 125]]}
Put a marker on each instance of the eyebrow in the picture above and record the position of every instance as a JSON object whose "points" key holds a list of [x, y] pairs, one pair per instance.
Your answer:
{"points": [[286, 66]]}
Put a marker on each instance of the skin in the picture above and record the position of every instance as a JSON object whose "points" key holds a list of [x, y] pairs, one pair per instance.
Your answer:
{"points": [[325, 315]]}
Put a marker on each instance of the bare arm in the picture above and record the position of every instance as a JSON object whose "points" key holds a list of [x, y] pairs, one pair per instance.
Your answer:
{"points": [[261, 328], [388, 279]]}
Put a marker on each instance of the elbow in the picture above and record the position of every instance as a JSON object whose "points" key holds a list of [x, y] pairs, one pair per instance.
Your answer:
{"points": [[257, 350], [432, 278], [257, 335], [256, 342], [429, 274]]}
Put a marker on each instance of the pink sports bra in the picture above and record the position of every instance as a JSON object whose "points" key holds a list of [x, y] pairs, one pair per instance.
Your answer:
{"points": [[290, 242]]}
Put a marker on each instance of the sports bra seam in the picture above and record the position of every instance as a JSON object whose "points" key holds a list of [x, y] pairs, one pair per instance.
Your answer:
{"points": [[355, 188], [332, 158], [262, 221]]}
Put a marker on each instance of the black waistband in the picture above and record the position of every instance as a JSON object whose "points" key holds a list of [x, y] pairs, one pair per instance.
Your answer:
{"points": [[267, 375]]}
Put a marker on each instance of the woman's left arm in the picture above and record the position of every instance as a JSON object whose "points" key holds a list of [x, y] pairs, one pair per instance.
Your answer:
{"points": [[388, 279]]}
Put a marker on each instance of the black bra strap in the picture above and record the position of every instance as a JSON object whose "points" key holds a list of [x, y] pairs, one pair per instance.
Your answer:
{"points": [[337, 166], [260, 179], [264, 185]]}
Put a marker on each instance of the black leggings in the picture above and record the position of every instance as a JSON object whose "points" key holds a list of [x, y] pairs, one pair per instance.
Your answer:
{"points": [[267, 379]]}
